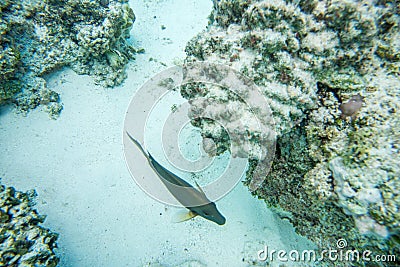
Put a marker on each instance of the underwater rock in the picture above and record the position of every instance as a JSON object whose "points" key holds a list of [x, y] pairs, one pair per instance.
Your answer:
{"points": [[37, 37], [23, 241], [355, 202], [306, 57], [209, 146]]}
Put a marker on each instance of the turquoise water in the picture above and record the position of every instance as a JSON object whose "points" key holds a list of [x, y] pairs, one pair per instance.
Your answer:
{"points": [[76, 164]]}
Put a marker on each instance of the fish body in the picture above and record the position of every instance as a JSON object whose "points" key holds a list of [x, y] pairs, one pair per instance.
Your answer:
{"points": [[191, 198]]}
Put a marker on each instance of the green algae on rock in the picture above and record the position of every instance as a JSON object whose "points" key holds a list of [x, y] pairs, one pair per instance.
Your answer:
{"points": [[337, 177], [23, 241], [37, 37]]}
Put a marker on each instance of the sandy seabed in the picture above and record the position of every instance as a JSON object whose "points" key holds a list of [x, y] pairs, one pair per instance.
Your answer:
{"points": [[77, 166]]}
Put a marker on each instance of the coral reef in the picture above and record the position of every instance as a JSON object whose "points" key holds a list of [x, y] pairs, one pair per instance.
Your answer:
{"points": [[37, 37], [23, 241], [330, 72]]}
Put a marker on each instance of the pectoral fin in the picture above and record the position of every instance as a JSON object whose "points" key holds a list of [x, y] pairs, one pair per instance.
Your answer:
{"points": [[184, 216], [198, 186]]}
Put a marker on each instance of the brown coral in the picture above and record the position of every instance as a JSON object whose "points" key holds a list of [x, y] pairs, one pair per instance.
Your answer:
{"points": [[351, 107]]}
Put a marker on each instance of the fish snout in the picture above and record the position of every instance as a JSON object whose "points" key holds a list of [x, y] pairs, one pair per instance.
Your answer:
{"points": [[220, 220]]}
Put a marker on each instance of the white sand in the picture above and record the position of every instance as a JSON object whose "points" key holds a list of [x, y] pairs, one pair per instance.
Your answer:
{"points": [[77, 166]]}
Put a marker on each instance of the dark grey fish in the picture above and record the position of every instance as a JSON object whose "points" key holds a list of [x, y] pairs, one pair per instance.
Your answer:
{"points": [[191, 198]]}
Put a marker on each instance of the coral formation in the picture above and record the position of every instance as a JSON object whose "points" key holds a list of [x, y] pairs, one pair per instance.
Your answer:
{"points": [[23, 241], [330, 71], [351, 107], [37, 37]]}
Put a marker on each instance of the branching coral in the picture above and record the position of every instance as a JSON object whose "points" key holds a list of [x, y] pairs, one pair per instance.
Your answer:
{"points": [[37, 37], [23, 242], [316, 61]]}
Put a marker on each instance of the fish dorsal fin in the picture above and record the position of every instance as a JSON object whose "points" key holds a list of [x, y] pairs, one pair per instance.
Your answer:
{"points": [[200, 189]]}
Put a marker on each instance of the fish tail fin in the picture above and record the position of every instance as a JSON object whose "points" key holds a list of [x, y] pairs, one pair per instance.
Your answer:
{"points": [[136, 142]]}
